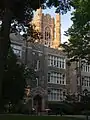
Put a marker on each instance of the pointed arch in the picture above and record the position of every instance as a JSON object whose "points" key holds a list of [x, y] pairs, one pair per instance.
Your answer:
{"points": [[47, 33]]}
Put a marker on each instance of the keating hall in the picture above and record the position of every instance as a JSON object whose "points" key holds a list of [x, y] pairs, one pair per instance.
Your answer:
{"points": [[54, 78]]}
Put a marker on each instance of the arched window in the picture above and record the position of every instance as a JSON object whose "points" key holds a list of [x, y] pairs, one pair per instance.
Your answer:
{"points": [[47, 33]]}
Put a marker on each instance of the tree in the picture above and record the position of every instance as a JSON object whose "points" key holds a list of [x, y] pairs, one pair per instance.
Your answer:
{"points": [[29, 75], [14, 80], [19, 10], [79, 37], [79, 34]]}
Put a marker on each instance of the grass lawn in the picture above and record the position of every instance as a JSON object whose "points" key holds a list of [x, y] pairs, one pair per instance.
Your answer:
{"points": [[25, 117]]}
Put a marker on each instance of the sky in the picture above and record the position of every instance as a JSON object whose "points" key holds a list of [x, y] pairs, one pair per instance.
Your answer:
{"points": [[65, 22]]}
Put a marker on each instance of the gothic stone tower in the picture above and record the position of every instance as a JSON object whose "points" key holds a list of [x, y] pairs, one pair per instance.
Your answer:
{"points": [[49, 27]]}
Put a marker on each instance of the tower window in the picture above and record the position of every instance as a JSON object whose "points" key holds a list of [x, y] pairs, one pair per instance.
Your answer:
{"points": [[47, 33]]}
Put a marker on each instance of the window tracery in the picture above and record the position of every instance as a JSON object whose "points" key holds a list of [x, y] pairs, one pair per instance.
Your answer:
{"points": [[47, 33]]}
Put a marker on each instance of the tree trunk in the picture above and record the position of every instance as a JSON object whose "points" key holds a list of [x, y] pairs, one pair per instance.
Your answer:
{"points": [[87, 117], [4, 44]]}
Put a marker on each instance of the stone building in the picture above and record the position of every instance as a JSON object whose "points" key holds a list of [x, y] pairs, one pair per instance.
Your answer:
{"points": [[50, 84], [54, 77], [79, 77], [51, 30], [49, 27], [83, 76]]}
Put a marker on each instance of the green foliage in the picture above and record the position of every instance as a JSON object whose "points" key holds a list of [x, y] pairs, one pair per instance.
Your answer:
{"points": [[31, 34], [29, 75], [79, 32], [14, 80], [16, 77], [22, 9]]}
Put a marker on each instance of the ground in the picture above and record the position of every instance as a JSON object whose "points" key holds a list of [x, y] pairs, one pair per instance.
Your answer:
{"points": [[25, 117]]}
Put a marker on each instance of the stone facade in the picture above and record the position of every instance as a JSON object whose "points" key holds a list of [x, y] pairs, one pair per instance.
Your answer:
{"points": [[55, 78], [49, 27], [79, 76], [49, 64]]}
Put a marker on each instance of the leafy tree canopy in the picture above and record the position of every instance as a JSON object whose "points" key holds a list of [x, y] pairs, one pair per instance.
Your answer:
{"points": [[21, 9], [79, 32], [16, 77]]}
